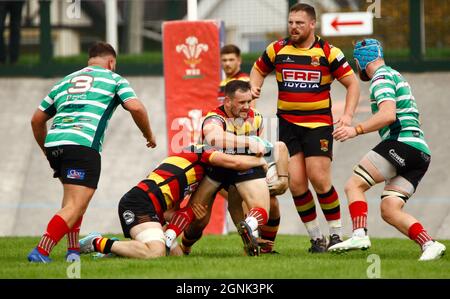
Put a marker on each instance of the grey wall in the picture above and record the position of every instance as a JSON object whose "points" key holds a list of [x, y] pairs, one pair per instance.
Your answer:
{"points": [[29, 195]]}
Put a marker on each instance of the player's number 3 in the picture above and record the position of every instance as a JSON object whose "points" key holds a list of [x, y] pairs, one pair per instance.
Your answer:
{"points": [[81, 84]]}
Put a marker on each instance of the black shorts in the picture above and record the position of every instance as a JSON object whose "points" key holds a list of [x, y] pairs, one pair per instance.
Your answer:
{"points": [[75, 164], [410, 163], [135, 207], [311, 142], [229, 177]]}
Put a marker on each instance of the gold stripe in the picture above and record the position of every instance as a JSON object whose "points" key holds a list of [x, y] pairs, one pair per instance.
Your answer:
{"points": [[306, 207], [347, 74], [165, 189], [168, 199], [177, 161], [304, 106], [226, 80], [330, 206], [270, 50], [155, 177], [279, 77], [103, 244], [312, 125], [211, 156], [326, 79], [290, 50], [334, 52]]}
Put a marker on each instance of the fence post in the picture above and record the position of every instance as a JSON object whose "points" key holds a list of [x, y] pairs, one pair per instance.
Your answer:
{"points": [[417, 30], [291, 2], [45, 34]]}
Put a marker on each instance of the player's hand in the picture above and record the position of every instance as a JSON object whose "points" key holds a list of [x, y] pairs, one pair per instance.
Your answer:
{"points": [[256, 92], [265, 244], [344, 120], [343, 133], [151, 141], [279, 186], [199, 210]]}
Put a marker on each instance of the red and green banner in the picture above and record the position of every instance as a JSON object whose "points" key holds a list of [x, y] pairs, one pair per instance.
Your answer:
{"points": [[192, 75]]}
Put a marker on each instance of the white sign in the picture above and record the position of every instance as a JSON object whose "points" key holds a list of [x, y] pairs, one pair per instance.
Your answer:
{"points": [[351, 23]]}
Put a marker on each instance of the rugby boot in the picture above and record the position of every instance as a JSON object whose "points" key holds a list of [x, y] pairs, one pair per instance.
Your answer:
{"points": [[433, 252], [36, 257], [333, 240], [354, 242], [86, 245], [250, 243], [318, 245]]}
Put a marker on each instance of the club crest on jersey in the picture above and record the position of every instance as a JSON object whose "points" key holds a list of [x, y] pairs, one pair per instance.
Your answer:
{"points": [[324, 145], [75, 174], [315, 60]]}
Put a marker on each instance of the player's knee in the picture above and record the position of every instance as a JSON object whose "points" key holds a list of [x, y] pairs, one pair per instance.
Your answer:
{"points": [[386, 211], [391, 203], [355, 183], [297, 185], [362, 178], [320, 183], [154, 240]]}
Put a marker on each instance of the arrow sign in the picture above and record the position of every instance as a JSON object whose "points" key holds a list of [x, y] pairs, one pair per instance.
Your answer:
{"points": [[341, 24], [336, 23]]}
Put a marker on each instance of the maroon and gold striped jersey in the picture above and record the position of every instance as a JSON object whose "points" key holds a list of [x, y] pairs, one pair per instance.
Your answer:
{"points": [[304, 77], [238, 76], [252, 125], [180, 174]]}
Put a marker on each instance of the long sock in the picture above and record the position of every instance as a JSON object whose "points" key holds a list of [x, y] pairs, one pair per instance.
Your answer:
{"points": [[103, 245], [313, 229], [306, 208], [358, 213], [418, 234], [56, 229], [329, 203], [188, 240], [72, 236], [256, 217], [181, 219], [269, 232]]}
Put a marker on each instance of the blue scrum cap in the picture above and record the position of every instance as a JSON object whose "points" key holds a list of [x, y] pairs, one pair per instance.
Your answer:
{"points": [[367, 51]]}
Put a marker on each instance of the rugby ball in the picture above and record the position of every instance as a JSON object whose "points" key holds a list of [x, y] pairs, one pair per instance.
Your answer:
{"points": [[271, 174]]}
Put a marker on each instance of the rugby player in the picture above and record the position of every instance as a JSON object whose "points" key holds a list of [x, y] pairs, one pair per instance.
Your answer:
{"points": [[305, 66], [222, 129], [141, 210], [81, 106], [400, 160]]}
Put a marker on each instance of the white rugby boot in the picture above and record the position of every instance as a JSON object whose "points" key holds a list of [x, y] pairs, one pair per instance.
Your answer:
{"points": [[433, 252], [354, 242]]}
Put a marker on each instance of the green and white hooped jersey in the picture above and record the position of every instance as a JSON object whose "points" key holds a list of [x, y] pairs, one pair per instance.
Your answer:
{"points": [[82, 104], [389, 85]]}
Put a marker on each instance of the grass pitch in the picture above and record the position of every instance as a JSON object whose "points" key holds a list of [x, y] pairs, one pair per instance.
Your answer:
{"points": [[223, 257]]}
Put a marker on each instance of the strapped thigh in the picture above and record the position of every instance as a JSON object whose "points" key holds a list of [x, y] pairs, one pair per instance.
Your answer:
{"points": [[151, 234], [398, 187], [373, 169]]}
